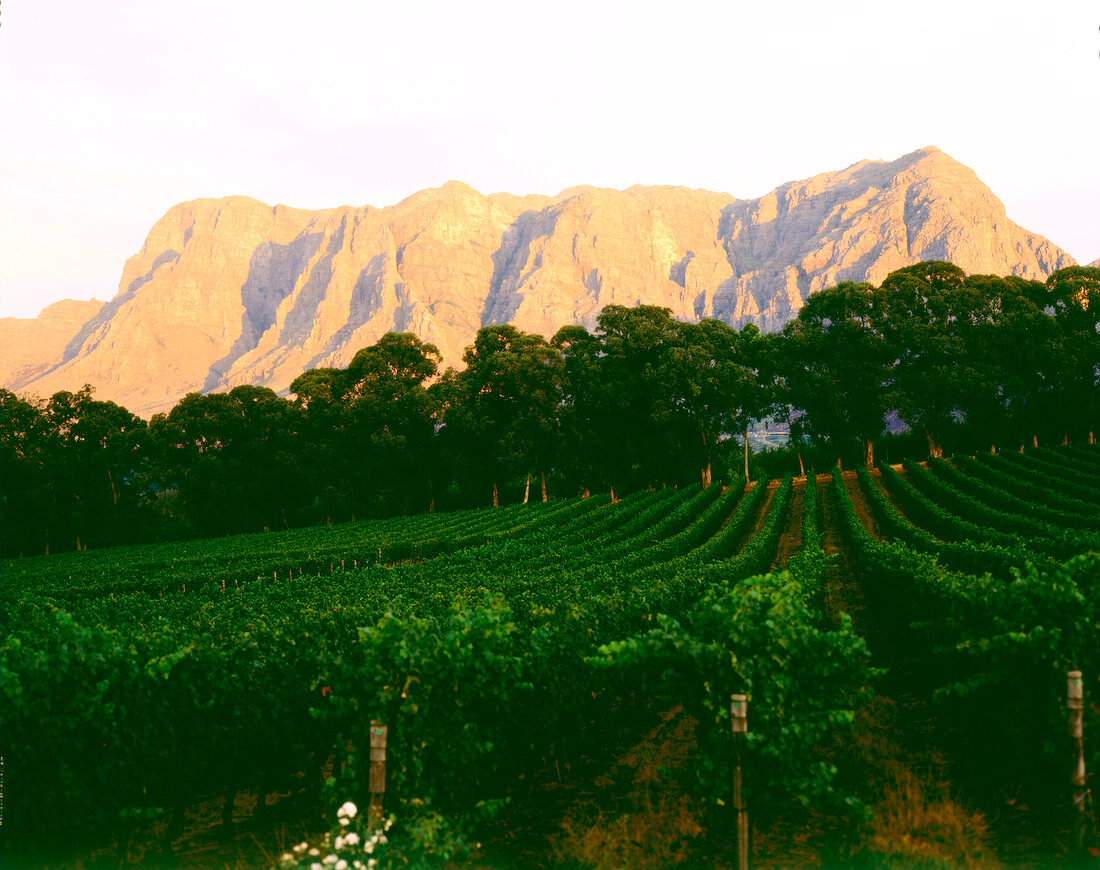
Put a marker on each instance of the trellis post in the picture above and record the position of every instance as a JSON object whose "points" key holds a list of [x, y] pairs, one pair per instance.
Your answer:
{"points": [[740, 724], [378, 734], [1075, 702]]}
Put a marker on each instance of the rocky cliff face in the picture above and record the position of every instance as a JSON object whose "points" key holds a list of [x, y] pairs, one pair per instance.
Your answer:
{"points": [[31, 346], [233, 291]]}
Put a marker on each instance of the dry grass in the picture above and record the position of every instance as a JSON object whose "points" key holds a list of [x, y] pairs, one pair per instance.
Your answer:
{"points": [[658, 824], [917, 822], [650, 837]]}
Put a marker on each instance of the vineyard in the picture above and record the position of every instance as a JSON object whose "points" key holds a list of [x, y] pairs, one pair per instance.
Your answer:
{"points": [[505, 647]]}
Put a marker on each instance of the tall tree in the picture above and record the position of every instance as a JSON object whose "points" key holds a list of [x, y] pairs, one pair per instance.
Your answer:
{"points": [[836, 367], [26, 498], [1072, 295], [636, 393], [510, 393], [95, 445], [392, 418], [920, 315]]}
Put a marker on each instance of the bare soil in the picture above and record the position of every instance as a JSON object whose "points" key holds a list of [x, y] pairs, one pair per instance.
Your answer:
{"points": [[758, 517], [791, 540], [859, 503]]}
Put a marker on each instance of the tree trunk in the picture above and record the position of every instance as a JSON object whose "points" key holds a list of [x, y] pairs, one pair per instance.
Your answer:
{"points": [[704, 473], [746, 451], [587, 493], [801, 467], [992, 449], [1065, 440], [527, 488], [1092, 437], [838, 465], [496, 496], [114, 492], [1035, 441], [542, 475], [613, 499], [934, 449], [869, 454]]}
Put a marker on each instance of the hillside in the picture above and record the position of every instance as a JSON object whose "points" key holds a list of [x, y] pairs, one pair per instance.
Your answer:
{"points": [[578, 657], [233, 291]]}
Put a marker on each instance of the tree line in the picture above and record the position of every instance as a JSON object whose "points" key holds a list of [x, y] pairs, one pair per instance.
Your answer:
{"points": [[965, 362]]}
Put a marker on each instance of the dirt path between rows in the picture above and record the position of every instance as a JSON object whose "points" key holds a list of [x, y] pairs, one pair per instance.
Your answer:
{"points": [[790, 542], [758, 516], [859, 503], [897, 505]]}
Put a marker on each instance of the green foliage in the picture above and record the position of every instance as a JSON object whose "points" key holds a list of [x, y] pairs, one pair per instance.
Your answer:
{"points": [[762, 637]]}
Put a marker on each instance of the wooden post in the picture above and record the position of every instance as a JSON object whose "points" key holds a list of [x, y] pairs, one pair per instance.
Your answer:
{"points": [[1075, 701], [740, 723], [378, 734]]}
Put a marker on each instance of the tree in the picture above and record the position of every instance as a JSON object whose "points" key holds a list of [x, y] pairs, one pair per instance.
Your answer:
{"points": [[234, 459], [580, 418], [391, 422], [635, 396], [1072, 295], [92, 448], [836, 366], [507, 404], [719, 382], [26, 498], [922, 318]]}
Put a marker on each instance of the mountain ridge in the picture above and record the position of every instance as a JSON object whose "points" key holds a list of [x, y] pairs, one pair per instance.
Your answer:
{"points": [[230, 290]]}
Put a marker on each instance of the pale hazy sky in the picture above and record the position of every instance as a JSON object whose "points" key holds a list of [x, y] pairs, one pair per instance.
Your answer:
{"points": [[112, 112]]}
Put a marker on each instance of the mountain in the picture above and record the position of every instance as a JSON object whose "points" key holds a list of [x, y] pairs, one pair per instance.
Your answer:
{"points": [[233, 291], [31, 346]]}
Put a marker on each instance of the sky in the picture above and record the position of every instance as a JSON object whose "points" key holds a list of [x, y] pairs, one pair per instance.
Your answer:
{"points": [[111, 113]]}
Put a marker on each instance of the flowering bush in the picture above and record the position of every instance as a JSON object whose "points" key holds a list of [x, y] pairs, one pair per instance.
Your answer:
{"points": [[355, 843]]}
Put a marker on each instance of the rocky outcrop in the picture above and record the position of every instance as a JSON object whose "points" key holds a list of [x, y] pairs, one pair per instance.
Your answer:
{"points": [[30, 346], [232, 291]]}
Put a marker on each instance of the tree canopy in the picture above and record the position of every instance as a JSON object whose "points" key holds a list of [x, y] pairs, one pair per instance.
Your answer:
{"points": [[641, 400]]}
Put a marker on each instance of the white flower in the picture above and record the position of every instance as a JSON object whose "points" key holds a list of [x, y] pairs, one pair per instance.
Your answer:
{"points": [[369, 847], [339, 844], [389, 824], [341, 864], [301, 847], [315, 866], [286, 857], [331, 859], [352, 838], [373, 862], [345, 821], [382, 838], [314, 851], [348, 809]]}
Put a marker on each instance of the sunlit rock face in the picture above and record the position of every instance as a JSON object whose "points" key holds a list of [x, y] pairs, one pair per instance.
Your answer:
{"points": [[233, 291], [30, 346]]}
